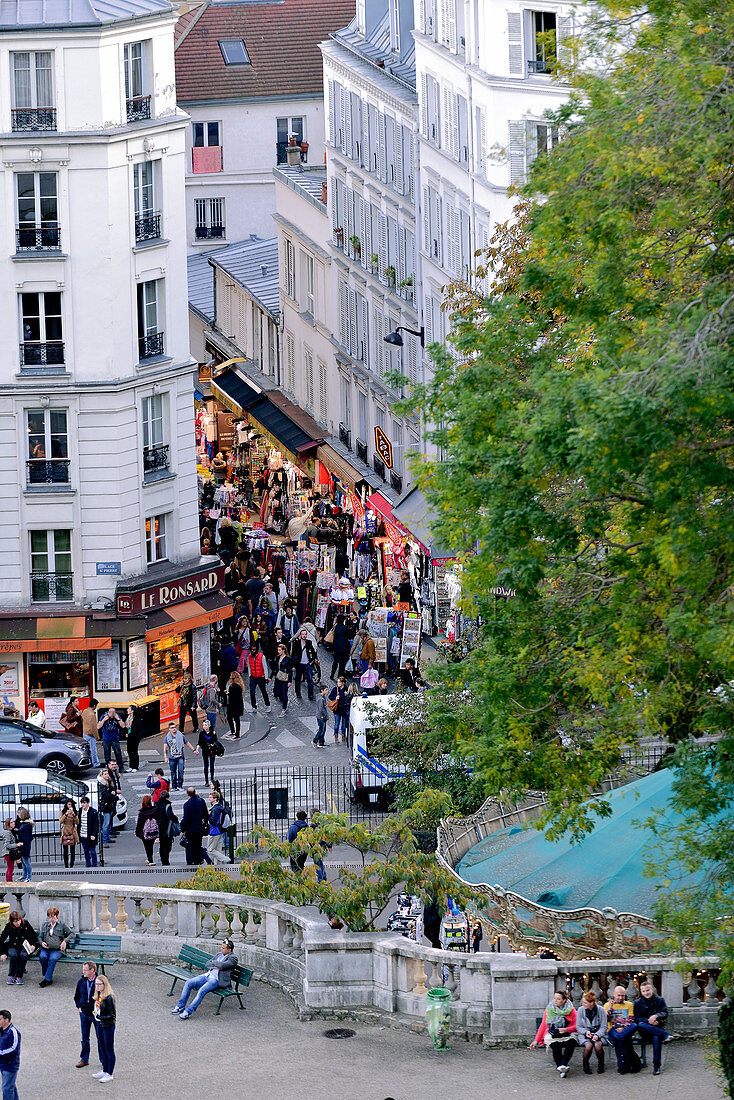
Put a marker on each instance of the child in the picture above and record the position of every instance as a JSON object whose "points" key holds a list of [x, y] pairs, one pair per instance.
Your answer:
{"points": [[322, 714]]}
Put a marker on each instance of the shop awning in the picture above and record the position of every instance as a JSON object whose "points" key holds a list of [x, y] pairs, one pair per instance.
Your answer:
{"points": [[414, 514], [348, 469], [185, 616], [51, 633], [275, 426], [234, 392]]}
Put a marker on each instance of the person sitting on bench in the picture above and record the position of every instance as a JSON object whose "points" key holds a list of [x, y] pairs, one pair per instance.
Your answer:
{"points": [[219, 976], [651, 1012]]}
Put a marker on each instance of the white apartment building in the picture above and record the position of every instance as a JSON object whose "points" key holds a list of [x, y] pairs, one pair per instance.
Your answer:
{"points": [[484, 78], [250, 77], [369, 83], [98, 482]]}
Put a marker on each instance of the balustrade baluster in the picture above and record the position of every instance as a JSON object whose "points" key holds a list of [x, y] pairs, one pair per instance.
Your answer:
{"points": [[433, 975], [694, 990], [286, 939], [121, 918], [250, 927], [169, 922], [237, 925], [297, 939], [452, 979], [154, 920], [712, 988], [223, 927], [595, 987], [207, 921], [104, 913], [138, 915], [632, 992]]}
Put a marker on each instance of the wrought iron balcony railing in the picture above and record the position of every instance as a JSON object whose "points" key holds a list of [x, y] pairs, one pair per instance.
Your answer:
{"points": [[155, 458], [138, 107], [378, 466], [345, 436], [33, 353], [209, 232], [52, 587], [396, 481], [361, 448], [38, 238], [31, 119], [48, 471], [150, 345], [147, 227]]}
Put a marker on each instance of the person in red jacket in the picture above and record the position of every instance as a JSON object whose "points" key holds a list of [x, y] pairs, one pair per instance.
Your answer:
{"points": [[557, 1030], [259, 676]]}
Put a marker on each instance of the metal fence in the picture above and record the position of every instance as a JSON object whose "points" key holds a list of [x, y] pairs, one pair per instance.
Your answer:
{"points": [[271, 797], [46, 849]]}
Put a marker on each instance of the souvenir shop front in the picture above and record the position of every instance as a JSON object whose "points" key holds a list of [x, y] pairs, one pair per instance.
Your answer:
{"points": [[161, 627]]}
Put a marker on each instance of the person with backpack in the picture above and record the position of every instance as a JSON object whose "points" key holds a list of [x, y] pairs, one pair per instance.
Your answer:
{"points": [[147, 828], [194, 825], [219, 817], [158, 785], [210, 701]]}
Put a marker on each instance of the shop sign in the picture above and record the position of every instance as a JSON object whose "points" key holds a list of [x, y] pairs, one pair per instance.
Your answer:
{"points": [[9, 684], [393, 534], [274, 443], [226, 430], [383, 446], [109, 568], [205, 372], [200, 656], [154, 597], [357, 508]]}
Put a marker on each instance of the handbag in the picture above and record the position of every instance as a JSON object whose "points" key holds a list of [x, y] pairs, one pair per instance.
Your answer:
{"points": [[15, 851], [282, 676], [333, 704], [329, 637], [218, 748], [175, 828]]}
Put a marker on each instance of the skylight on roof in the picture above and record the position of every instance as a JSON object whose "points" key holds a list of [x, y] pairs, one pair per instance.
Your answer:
{"points": [[234, 52]]}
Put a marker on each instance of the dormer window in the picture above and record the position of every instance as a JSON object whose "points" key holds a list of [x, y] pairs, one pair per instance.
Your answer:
{"points": [[234, 51]]}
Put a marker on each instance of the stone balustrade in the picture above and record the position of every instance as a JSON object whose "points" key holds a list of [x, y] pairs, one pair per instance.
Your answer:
{"points": [[495, 998]]}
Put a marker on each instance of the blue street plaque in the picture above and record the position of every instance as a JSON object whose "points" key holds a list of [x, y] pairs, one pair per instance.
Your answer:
{"points": [[109, 568]]}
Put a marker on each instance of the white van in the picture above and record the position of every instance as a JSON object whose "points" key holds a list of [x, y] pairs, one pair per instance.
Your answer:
{"points": [[44, 794], [370, 780]]}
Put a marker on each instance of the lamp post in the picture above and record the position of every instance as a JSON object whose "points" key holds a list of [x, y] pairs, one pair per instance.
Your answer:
{"points": [[396, 339]]}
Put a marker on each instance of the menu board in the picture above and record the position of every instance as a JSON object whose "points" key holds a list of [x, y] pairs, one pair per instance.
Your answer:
{"points": [[410, 645], [108, 672], [137, 663], [377, 629], [53, 709], [201, 656]]}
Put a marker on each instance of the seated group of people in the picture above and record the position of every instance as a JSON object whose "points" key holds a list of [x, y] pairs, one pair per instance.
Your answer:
{"points": [[595, 1026]]}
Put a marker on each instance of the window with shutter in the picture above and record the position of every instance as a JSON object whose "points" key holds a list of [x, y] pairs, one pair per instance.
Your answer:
{"points": [[383, 242], [514, 39], [428, 320], [355, 151], [374, 165], [382, 147], [427, 221], [378, 332], [399, 173], [332, 120], [323, 394], [516, 151], [422, 16], [242, 321], [290, 354], [333, 189], [363, 321], [481, 243], [446, 139], [343, 314], [366, 150], [348, 143], [564, 32], [392, 243], [438, 229], [308, 370], [480, 166], [413, 359], [424, 105], [352, 313], [436, 111], [448, 24], [462, 130]]}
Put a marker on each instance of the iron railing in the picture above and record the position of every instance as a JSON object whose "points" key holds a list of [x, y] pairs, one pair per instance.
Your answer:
{"points": [[378, 466], [52, 587], [396, 481], [541, 65], [33, 353], [147, 227], [48, 471], [29, 119], [37, 238], [361, 449], [150, 345], [138, 107], [209, 232], [155, 458], [345, 436]]}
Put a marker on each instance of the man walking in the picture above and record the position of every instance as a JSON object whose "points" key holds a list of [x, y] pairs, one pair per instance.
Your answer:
{"points": [[210, 701], [110, 726], [302, 653], [88, 830], [218, 976], [174, 744], [298, 862], [322, 715], [194, 824], [90, 731], [84, 1001], [9, 1055]]}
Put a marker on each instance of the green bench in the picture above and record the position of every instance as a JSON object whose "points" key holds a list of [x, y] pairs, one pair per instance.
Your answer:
{"points": [[194, 959], [96, 947]]}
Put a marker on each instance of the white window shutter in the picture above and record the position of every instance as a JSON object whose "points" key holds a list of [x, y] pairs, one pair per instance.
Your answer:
{"points": [[446, 138], [356, 127], [437, 111], [363, 214], [428, 319], [377, 333], [343, 315], [348, 214], [482, 242], [516, 151], [427, 221], [363, 351], [383, 242], [514, 38], [564, 31], [392, 243], [332, 120], [366, 147], [424, 105], [352, 322], [399, 180], [410, 256], [323, 392], [401, 272], [332, 189], [413, 358], [481, 138], [348, 143], [381, 147], [438, 230]]}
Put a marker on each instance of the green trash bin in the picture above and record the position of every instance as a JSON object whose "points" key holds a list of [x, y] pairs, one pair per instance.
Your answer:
{"points": [[438, 1017]]}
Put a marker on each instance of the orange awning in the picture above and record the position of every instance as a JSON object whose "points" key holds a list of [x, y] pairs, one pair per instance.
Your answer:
{"points": [[50, 634], [187, 616]]}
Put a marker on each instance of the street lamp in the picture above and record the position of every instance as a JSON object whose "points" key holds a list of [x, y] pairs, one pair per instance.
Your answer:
{"points": [[396, 339]]}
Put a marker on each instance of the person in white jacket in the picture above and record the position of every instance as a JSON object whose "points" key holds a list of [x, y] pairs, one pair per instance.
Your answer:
{"points": [[36, 716]]}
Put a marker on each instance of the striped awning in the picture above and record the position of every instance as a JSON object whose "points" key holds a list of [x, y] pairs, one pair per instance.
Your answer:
{"points": [[187, 615]]}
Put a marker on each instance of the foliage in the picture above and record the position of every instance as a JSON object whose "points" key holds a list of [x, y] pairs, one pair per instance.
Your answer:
{"points": [[403, 739], [726, 1043], [387, 856], [587, 418]]}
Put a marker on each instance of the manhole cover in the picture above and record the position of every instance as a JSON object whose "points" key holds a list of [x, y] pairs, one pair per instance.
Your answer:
{"points": [[339, 1033]]}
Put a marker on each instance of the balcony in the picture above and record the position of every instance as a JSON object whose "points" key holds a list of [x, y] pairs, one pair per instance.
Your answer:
{"points": [[147, 227], [378, 466], [35, 354], [541, 65], [361, 448], [38, 238], [396, 481], [155, 458], [52, 587], [151, 345], [33, 119], [209, 232], [345, 436], [138, 108], [47, 471]]}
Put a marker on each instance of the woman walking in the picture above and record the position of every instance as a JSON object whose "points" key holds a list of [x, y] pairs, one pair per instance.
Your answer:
{"points": [[235, 703], [215, 840], [282, 677], [187, 702], [146, 828], [134, 726], [69, 821], [207, 745], [339, 705], [16, 937], [104, 1015], [24, 827], [166, 822], [11, 849]]}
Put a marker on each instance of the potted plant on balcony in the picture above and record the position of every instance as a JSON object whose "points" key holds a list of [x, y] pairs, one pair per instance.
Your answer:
{"points": [[356, 245], [339, 236], [408, 281], [390, 275], [375, 263]]}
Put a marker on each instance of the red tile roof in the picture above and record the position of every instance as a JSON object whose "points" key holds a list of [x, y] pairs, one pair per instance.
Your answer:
{"points": [[281, 38]]}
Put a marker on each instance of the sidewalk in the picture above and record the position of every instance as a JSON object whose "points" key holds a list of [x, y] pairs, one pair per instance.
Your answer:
{"points": [[267, 1053]]}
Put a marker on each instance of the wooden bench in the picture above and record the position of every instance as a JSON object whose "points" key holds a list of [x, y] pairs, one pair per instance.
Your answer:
{"points": [[194, 959], [96, 947]]}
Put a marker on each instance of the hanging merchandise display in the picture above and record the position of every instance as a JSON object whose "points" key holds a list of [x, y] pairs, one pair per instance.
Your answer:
{"points": [[410, 645], [377, 628]]}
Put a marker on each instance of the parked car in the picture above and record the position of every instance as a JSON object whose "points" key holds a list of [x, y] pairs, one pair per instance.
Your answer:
{"points": [[23, 745], [44, 793]]}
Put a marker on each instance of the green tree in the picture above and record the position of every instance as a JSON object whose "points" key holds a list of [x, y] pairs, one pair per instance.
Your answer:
{"points": [[588, 421]]}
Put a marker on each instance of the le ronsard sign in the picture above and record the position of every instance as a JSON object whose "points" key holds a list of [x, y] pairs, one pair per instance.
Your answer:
{"points": [[155, 596]]}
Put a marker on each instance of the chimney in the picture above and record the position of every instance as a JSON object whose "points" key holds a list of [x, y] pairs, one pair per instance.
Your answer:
{"points": [[323, 192], [293, 156]]}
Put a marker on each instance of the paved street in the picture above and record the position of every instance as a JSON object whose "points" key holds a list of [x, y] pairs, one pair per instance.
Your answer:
{"points": [[266, 1052]]}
